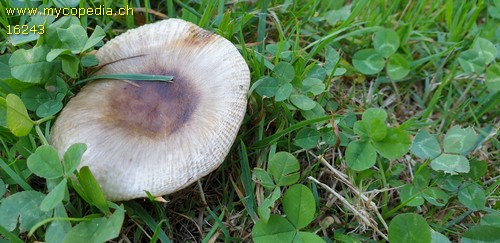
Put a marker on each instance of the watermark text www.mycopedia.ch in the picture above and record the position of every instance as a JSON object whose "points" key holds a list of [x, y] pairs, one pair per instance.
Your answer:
{"points": [[79, 12]]}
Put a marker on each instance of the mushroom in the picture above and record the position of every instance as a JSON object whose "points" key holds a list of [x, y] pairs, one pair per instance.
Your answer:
{"points": [[157, 137]]}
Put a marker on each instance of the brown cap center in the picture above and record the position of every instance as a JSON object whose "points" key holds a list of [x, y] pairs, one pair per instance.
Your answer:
{"points": [[153, 108]]}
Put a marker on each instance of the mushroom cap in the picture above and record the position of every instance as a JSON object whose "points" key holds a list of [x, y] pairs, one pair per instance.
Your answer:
{"points": [[158, 136]]}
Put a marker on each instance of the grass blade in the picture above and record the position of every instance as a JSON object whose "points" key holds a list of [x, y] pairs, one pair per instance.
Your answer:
{"points": [[261, 29], [218, 224], [273, 138], [190, 9], [9, 236], [130, 76], [157, 231], [139, 212], [15, 176], [246, 178]]}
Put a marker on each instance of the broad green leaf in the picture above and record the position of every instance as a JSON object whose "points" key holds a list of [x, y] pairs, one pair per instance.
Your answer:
{"points": [[330, 138], [472, 196], [337, 15], [339, 71], [54, 53], [264, 178], [307, 138], [18, 120], [41, 18], [313, 86], [493, 77], [409, 228], [70, 65], [45, 163], [299, 205], [377, 130], [264, 209], [374, 129], [89, 60], [450, 183], [268, 87], [436, 196], [460, 140], [15, 86], [4, 67], [438, 237], [374, 113], [95, 38], [361, 128], [283, 92], [313, 113], [72, 157], [49, 108], [273, 48], [397, 67], [491, 220], [487, 51], [386, 42], [73, 38], [346, 238], [308, 237], [332, 59], [92, 189], [277, 229], [481, 234], [20, 39], [368, 61], [423, 178], [97, 229], [471, 62], [22, 209], [3, 189], [408, 191], [57, 88], [66, 3], [24, 147], [397, 169], [451, 163], [57, 229], [494, 11], [35, 96], [284, 72], [302, 102], [360, 155], [425, 145], [478, 169], [51, 36], [284, 167], [316, 71], [349, 119], [30, 65], [394, 145], [54, 197]]}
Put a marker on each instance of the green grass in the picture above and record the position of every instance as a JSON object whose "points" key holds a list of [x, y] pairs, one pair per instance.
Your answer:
{"points": [[447, 82]]}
